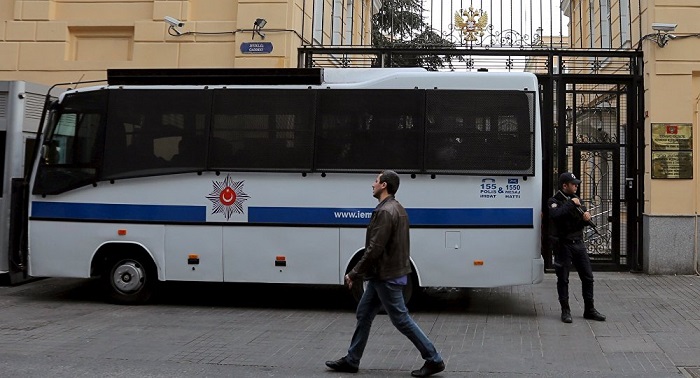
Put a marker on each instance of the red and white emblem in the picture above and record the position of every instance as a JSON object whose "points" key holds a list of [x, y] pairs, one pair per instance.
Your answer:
{"points": [[227, 197]]}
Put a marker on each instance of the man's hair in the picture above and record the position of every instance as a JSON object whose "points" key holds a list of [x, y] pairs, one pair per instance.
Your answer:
{"points": [[392, 181]]}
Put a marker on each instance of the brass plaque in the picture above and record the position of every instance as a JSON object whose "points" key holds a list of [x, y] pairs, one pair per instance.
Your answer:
{"points": [[672, 164], [671, 137]]}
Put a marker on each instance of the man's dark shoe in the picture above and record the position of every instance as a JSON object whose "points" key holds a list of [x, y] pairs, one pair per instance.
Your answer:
{"points": [[593, 314], [566, 316], [429, 368], [342, 365]]}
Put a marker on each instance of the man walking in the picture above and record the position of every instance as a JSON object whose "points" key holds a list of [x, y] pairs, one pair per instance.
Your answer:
{"points": [[386, 266], [567, 220]]}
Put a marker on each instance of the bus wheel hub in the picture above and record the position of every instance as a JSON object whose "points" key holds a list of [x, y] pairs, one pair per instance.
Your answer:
{"points": [[128, 277]]}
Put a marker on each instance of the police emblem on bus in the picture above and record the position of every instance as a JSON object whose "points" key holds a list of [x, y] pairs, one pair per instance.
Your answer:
{"points": [[227, 197]]}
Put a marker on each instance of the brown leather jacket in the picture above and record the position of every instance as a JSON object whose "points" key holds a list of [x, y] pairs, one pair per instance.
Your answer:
{"points": [[387, 244]]}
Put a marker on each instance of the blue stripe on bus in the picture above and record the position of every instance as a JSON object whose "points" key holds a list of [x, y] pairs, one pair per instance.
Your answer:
{"points": [[471, 217], [119, 212], [489, 217], [521, 217]]}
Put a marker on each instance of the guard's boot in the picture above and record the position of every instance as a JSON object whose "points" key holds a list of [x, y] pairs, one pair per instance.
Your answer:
{"points": [[591, 313], [565, 312]]}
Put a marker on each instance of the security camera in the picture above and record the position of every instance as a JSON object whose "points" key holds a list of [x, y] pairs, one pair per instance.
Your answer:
{"points": [[174, 22], [663, 27]]}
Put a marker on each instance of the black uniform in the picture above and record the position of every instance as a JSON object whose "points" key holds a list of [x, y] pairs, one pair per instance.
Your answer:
{"points": [[566, 236]]}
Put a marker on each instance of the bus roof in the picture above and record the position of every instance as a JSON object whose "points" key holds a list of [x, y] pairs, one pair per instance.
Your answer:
{"points": [[328, 78]]}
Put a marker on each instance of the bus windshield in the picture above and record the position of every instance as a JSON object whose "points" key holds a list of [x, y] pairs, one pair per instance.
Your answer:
{"points": [[71, 155]]}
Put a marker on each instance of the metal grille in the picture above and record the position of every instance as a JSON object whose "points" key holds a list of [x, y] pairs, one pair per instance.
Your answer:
{"points": [[34, 106], [262, 129], [538, 61], [465, 129], [358, 130], [596, 137], [477, 24], [146, 135], [3, 105], [3, 135], [459, 133], [597, 196]]}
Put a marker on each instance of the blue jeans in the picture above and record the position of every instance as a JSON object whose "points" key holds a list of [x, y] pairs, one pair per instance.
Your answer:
{"points": [[380, 293]]}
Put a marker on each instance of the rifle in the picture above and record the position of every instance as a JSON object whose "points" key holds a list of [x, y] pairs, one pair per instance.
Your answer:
{"points": [[580, 211]]}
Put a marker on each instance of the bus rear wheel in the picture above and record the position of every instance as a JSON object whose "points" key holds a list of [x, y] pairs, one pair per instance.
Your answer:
{"points": [[129, 280]]}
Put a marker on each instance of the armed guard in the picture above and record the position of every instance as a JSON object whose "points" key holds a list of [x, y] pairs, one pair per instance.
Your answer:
{"points": [[567, 219]]}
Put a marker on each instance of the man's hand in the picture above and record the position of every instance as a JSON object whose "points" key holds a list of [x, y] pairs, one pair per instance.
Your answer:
{"points": [[586, 216], [576, 201], [348, 281]]}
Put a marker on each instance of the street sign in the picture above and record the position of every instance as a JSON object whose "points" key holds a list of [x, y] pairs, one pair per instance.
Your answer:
{"points": [[256, 47]]}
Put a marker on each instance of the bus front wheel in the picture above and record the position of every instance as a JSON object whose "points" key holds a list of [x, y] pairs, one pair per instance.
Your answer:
{"points": [[129, 280]]}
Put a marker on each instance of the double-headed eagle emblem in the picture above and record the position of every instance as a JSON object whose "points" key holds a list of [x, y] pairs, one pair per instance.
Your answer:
{"points": [[473, 23]]}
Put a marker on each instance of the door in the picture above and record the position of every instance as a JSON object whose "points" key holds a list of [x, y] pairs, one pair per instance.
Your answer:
{"points": [[598, 168], [595, 138]]}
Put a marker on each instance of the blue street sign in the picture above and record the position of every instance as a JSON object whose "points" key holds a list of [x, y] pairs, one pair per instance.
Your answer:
{"points": [[256, 47]]}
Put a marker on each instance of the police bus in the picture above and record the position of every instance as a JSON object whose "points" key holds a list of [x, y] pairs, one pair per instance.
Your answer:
{"points": [[264, 175]]}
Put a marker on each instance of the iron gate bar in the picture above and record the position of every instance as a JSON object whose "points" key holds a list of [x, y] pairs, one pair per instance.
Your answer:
{"points": [[307, 53], [465, 51], [636, 144]]}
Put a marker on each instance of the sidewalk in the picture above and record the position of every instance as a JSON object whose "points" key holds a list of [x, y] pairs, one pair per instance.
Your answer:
{"points": [[653, 328], [61, 328]]}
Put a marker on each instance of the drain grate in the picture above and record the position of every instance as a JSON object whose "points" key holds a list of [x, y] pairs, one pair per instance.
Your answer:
{"points": [[690, 371]]}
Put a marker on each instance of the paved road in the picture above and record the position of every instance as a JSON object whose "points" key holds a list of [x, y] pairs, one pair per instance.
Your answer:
{"points": [[62, 328]]}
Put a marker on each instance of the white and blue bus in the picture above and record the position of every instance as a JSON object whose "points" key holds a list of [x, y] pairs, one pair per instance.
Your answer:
{"points": [[251, 175]]}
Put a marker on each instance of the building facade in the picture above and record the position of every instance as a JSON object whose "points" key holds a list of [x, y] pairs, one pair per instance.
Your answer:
{"points": [[672, 102], [52, 41]]}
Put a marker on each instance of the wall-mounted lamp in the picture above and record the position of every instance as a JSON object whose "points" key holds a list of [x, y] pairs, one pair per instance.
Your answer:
{"points": [[257, 26], [174, 24]]}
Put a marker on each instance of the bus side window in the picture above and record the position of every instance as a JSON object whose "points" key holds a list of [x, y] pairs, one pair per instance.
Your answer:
{"points": [[141, 153], [165, 148], [221, 154], [189, 152]]}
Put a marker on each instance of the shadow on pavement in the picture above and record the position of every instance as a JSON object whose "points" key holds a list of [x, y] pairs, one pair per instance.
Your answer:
{"points": [[312, 297], [253, 295]]}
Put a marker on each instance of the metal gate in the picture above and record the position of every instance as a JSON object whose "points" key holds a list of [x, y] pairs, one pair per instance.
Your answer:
{"points": [[592, 117], [597, 138]]}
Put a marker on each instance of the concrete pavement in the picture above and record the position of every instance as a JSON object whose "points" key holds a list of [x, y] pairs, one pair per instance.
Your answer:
{"points": [[62, 328]]}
